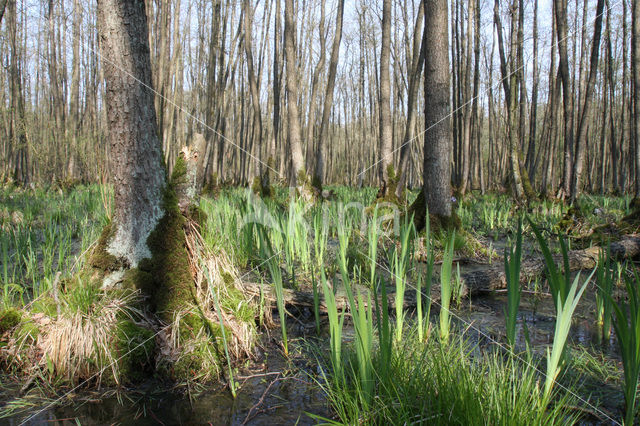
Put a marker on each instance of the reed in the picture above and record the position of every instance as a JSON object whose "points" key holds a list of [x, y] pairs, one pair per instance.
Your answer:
{"points": [[232, 383], [626, 323], [564, 314], [446, 289], [605, 278]]}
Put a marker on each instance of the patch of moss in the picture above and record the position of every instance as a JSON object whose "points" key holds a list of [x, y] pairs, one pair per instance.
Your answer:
{"points": [[26, 330], [134, 348], [45, 305], [9, 318], [138, 279], [201, 358], [236, 302], [100, 258], [304, 188], [196, 214], [570, 220], [261, 186]]}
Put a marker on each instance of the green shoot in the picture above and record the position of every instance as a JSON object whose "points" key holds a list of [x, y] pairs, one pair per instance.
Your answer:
{"points": [[627, 326], [565, 310], [605, 277], [232, 384], [446, 290]]}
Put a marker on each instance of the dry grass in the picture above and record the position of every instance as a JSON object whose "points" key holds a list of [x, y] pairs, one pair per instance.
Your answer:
{"points": [[75, 345], [216, 272]]}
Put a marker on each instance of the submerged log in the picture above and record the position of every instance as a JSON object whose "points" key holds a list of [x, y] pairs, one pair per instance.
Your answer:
{"points": [[474, 283], [487, 280], [304, 298]]}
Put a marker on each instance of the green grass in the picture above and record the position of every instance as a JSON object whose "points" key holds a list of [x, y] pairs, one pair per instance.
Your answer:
{"points": [[627, 326], [393, 371], [446, 291], [605, 278]]}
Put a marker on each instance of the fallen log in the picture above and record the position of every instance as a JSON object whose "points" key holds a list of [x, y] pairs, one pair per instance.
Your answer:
{"points": [[304, 297], [494, 278], [474, 283]]}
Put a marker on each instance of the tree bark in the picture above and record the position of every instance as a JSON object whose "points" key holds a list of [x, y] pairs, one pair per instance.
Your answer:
{"points": [[581, 137], [560, 7], [437, 140], [321, 151], [293, 116], [386, 137], [412, 95], [136, 152], [635, 65]]}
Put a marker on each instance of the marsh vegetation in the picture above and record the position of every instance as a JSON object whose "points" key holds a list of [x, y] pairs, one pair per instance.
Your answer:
{"points": [[359, 336]]}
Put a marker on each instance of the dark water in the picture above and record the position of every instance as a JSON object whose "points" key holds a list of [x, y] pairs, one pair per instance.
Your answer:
{"points": [[275, 390]]}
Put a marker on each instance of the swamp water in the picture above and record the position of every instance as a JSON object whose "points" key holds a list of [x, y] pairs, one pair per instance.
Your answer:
{"points": [[274, 390]]}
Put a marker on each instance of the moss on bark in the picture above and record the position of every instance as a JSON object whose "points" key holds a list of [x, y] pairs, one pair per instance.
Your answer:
{"points": [[100, 258], [437, 223]]}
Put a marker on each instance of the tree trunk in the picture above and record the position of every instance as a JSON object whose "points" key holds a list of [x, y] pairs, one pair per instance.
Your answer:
{"points": [[581, 137], [412, 96], [533, 120], [253, 84], [18, 126], [437, 140], [293, 116], [386, 137], [567, 94], [321, 151], [136, 152], [635, 65]]}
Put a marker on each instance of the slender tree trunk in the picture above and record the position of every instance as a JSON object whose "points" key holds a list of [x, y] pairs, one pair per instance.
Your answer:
{"points": [[635, 67], [510, 85], [18, 126], [386, 136], [257, 131], [581, 137], [293, 128], [612, 106], [567, 94], [321, 150], [412, 96], [533, 119]]}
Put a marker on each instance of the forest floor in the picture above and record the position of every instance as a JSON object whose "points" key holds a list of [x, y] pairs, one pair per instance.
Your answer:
{"points": [[346, 361]]}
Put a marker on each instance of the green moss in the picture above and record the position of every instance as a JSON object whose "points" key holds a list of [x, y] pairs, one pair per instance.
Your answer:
{"points": [[304, 188], [45, 305], [260, 186], [437, 223], [236, 302], [134, 348], [138, 279], [26, 330], [9, 318], [196, 214], [179, 171], [189, 327], [100, 258]]}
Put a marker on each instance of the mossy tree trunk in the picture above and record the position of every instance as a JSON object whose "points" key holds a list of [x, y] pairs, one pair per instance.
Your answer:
{"points": [[136, 153], [146, 240]]}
